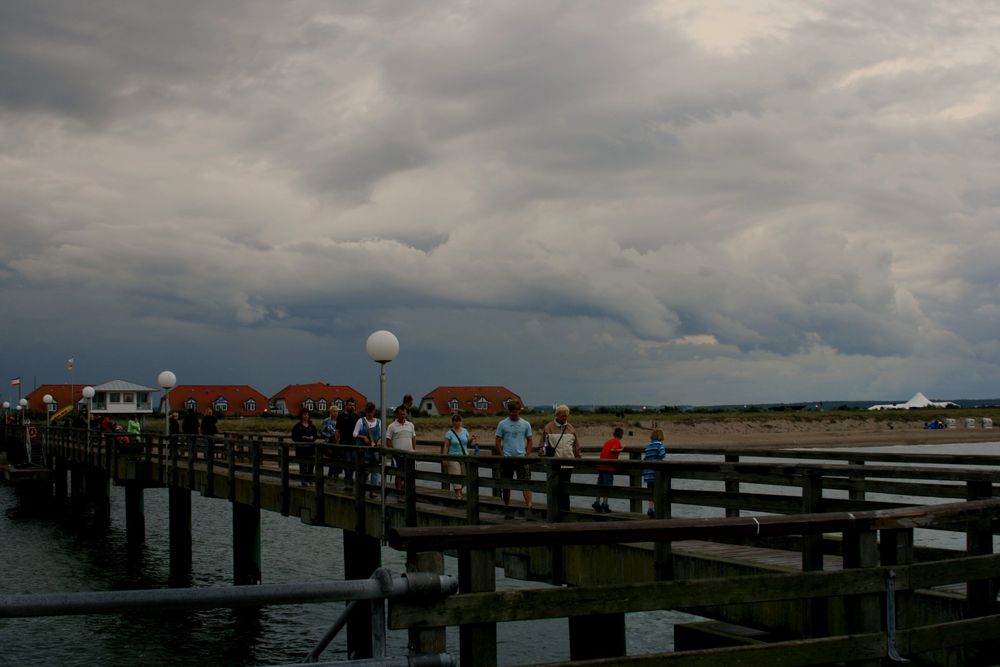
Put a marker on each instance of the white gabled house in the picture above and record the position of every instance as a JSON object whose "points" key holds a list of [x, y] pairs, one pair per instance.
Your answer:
{"points": [[119, 397]]}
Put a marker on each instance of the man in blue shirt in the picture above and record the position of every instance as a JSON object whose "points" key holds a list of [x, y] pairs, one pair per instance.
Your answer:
{"points": [[513, 438]]}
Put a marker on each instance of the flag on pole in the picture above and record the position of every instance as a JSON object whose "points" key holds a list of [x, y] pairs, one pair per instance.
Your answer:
{"points": [[69, 363], [15, 382]]}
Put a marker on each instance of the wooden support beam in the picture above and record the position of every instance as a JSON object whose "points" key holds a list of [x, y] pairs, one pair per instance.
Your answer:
{"points": [[246, 545], [477, 641], [179, 520], [426, 639], [362, 556], [135, 514]]}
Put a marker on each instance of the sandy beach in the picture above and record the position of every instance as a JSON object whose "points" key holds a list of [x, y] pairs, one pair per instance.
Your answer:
{"points": [[783, 433]]}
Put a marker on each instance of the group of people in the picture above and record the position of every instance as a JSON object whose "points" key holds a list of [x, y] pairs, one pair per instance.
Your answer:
{"points": [[514, 439], [348, 427], [207, 424]]}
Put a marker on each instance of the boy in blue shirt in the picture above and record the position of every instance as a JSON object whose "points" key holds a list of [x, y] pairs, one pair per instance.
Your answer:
{"points": [[655, 451]]}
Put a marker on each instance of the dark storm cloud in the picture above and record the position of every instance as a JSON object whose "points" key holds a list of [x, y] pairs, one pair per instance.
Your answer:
{"points": [[679, 202]]}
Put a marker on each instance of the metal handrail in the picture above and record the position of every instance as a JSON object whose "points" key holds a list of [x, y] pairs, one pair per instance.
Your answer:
{"points": [[107, 602]]}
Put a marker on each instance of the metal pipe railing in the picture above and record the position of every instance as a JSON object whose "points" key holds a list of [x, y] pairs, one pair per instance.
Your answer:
{"points": [[107, 602]]}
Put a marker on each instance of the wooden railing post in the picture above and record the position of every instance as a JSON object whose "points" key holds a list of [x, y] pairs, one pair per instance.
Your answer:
{"points": [[286, 500], [815, 611], [319, 496], [857, 491], [231, 458], [432, 639], [359, 493], [896, 548], [552, 488], [635, 483], [191, 453], [255, 462], [863, 611], [980, 595], [209, 467], [663, 557], [472, 491], [477, 642], [410, 490], [732, 489]]}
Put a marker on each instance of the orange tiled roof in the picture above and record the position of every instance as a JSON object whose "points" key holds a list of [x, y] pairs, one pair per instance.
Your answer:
{"points": [[60, 392], [486, 400], [206, 395], [294, 395]]}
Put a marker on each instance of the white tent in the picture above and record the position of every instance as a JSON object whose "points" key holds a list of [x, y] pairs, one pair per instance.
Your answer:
{"points": [[918, 401]]}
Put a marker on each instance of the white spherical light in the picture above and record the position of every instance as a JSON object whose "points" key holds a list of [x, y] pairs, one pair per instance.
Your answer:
{"points": [[167, 379], [88, 392], [382, 346], [47, 399]]}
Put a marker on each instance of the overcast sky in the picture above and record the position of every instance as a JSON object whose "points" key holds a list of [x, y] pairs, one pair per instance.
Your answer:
{"points": [[588, 202]]}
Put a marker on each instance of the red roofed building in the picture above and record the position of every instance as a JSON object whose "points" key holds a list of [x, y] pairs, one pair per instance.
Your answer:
{"points": [[317, 397], [59, 392], [478, 400], [226, 399]]}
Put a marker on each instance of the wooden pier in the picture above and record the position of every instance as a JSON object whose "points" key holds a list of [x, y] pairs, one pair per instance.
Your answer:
{"points": [[797, 563]]}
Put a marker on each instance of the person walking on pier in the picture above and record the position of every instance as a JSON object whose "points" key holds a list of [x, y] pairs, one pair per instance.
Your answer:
{"points": [[173, 425], [304, 431], [559, 440], [368, 433], [400, 435], [346, 421], [329, 431], [605, 474], [514, 438], [456, 443], [655, 451]]}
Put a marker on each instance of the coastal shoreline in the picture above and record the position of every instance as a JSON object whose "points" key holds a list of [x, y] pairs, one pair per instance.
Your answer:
{"points": [[780, 434]]}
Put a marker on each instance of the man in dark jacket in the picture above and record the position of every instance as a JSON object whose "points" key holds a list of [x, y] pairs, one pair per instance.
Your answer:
{"points": [[346, 421]]}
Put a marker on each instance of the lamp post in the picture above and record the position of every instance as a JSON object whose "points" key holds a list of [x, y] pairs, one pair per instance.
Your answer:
{"points": [[382, 346], [167, 380], [47, 400], [88, 393], [22, 406], [6, 409]]}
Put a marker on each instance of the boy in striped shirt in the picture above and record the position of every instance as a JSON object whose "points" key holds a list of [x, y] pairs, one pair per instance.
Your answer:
{"points": [[655, 451]]}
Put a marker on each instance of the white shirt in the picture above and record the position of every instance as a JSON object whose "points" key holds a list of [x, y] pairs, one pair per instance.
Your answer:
{"points": [[401, 436]]}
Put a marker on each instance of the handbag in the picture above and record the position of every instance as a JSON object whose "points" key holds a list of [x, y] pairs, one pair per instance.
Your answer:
{"points": [[550, 450]]}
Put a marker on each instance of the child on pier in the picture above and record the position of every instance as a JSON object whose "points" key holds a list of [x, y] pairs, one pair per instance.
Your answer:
{"points": [[655, 451]]}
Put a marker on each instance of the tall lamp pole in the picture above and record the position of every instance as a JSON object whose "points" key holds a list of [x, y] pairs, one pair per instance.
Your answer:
{"points": [[6, 409], [88, 393], [22, 405], [47, 400], [382, 346], [167, 380]]}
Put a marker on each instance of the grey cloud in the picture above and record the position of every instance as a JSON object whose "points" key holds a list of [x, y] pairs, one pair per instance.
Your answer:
{"points": [[583, 189]]}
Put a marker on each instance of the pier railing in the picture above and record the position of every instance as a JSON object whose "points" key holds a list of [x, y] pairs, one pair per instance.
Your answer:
{"points": [[729, 482], [874, 589]]}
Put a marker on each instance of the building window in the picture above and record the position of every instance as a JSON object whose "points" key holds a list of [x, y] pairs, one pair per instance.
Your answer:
{"points": [[321, 405], [453, 405], [190, 404], [482, 404], [339, 402], [308, 404], [114, 397], [250, 405], [128, 398], [222, 405]]}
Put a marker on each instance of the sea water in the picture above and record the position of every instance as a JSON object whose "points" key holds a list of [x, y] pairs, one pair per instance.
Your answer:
{"points": [[44, 552]]}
